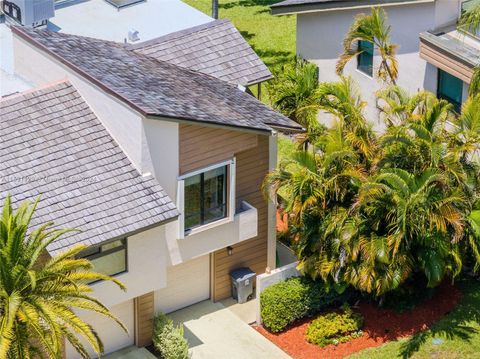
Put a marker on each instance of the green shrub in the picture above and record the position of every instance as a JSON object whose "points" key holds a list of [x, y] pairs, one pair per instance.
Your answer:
{"points": [[285, 302], [168, 339], [335, 328]]}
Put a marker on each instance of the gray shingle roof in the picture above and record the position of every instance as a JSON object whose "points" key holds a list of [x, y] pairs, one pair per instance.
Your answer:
{"points": [[54, 146], [157, 88], [215, 48]]}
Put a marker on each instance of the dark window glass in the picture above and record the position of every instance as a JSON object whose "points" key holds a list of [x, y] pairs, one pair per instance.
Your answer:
{"points": [[205, 198], [450, 88], [109, 258], [365, 59]]}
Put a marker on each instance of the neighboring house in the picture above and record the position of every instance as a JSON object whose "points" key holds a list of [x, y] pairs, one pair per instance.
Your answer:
{"points": [[215, 48], [160, 167], [417, 29]]}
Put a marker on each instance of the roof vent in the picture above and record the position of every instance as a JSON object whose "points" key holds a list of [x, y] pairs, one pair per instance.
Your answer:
{"points": [[123, 3], [29, 13], [133, 35]]}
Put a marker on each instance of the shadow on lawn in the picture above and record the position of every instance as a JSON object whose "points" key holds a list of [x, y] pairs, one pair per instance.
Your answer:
{"points": [[454, 325], [272, 58]]}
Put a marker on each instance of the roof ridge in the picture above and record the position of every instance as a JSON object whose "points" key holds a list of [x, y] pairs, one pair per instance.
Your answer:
{"points": [[177, 34], [152, 86], [144, 57]]}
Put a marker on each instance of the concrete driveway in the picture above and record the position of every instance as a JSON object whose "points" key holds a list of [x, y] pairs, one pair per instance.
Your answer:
{"points": [[215, 332]]}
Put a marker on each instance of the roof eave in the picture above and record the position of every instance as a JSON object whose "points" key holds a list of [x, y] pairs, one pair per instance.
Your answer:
{"points": [[432, 40], [123, 235], [262, 131], [278, 9], [259, 80], [17, 31]]}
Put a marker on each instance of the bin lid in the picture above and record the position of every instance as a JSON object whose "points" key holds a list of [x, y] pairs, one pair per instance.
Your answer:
{"points": [[242, 274]]}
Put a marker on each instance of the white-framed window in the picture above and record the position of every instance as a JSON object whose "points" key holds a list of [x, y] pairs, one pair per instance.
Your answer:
{"points": [[206, 196]]}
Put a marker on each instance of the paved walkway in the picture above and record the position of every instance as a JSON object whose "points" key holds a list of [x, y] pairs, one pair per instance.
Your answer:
{"points": [[215, 332]]}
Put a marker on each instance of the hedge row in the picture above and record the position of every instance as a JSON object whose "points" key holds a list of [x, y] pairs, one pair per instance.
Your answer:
{"points": [[285, 302]]}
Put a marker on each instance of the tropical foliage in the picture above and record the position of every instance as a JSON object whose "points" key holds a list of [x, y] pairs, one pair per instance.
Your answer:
{"points": [[470, 22], [335, 328], [38, 294], [293, 92], [372, 210], [372, 28]]}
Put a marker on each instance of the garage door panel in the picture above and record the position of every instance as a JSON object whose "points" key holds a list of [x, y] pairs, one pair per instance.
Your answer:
{"points": [[187, 283]]}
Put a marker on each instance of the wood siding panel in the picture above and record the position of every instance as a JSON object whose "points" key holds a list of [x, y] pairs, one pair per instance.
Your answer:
{"points": [[252, 166], [446, 61], [144, 313], [201, 146]]}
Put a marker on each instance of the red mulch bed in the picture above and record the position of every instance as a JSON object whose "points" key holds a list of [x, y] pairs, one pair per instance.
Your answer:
{"points": [[380, 326]]}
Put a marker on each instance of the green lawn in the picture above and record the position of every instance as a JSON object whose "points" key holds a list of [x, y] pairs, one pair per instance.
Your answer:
{"points": [[458, 332], [272, 37]]}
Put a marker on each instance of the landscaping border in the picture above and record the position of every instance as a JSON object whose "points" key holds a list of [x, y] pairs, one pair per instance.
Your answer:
{"points": [[265, 280]]}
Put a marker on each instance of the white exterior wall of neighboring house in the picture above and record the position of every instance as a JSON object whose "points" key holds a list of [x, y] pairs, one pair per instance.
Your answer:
{"points": [[320, 35]]}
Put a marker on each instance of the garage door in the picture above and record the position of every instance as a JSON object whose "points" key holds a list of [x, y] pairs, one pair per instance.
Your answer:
{"points": [[113, 337], [187, 283]]}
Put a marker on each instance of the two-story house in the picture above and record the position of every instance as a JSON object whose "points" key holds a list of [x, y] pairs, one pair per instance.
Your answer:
{"points": [[160, 167], [432, 54]]}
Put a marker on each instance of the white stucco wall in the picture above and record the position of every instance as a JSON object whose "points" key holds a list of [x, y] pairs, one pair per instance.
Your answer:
{"points": [[272, 210], [160, 152], [147, 263], [265, 280], [123, 123], [111, 334], [320, 35], [446, 12]]}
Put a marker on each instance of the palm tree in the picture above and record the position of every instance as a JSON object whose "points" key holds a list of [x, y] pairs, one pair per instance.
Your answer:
{"points": [[371, 28], [38, 296], [470, 21], [420, 219], [293, 93], [467, 129], [475, 82], [342, 100], [397, 107], [409, 208]]}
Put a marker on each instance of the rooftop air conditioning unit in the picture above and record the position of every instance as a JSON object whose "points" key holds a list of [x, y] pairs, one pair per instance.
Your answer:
{"points": [[29, 12]]}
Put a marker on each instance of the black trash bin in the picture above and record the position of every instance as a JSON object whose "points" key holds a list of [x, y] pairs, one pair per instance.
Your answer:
{"points": [[242, 284]]}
